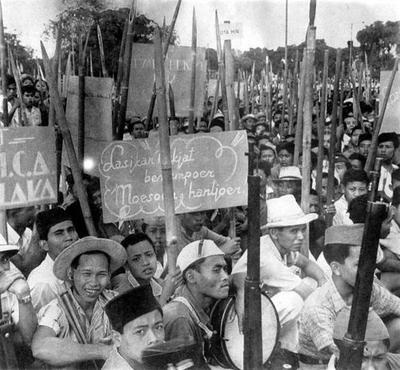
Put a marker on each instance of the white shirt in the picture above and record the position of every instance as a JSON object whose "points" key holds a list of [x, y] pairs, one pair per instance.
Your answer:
{"points": [[44, 285], [341, 216], [22, 241]]}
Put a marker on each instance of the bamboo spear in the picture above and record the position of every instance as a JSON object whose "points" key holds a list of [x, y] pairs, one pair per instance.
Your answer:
{"points": [[152, 104], [321, 126], [253, 74], [101, 48], [193, 76], [62, 122], [285, 74], [3, 66], [246, 94], [119, 80], [229, 81], [332, 147], [171, 28], [374, 144], [126, 72], [215, 102], [21, 110], [171, 99], [221, 72], [165, 151], [342, 77], [295, 96]]}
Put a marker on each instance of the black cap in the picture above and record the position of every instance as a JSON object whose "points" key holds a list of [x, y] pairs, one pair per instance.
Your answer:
{"points": [[46, 219], [389, 136], [130, 305]]}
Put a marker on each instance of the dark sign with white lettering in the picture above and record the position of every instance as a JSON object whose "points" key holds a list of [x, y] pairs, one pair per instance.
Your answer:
{"points": [[27, 167], [178, 72], [209, 171]]}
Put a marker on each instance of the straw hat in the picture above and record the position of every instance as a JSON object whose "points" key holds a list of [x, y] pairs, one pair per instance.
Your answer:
{"points": [[289, 173], [114, 250], [284, 212]]}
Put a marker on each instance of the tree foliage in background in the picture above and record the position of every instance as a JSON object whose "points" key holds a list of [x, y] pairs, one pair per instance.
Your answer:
{"points": [[81, 18], [23, 55], [379, 41]]}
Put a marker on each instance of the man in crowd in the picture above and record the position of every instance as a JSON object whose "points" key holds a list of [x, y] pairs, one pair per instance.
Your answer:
{"points": [[279, 252], [137, 321], [86, 265], [342, 252], [205, 280], [56, 232], [192, 228], [136, 128]]}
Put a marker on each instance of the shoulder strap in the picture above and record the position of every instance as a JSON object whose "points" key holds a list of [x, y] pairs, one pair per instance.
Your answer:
{"points": [[194, 315], [5, 308]]}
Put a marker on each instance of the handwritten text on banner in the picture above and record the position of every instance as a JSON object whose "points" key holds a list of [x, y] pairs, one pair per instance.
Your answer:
{"points": [[27, 167], [209, 171]]}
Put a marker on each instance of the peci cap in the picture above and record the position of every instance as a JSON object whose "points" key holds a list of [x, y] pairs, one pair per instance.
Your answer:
{"points": [[344, 234], [130, 305], [45, 220], [196, 251]]}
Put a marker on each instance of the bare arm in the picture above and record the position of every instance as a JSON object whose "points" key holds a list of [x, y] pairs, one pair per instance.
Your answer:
{"points": [[310, 269], [60, 352], [390, 263], [238, 283]]}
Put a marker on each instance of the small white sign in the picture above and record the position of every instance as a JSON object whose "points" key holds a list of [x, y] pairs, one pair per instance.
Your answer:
{"points": [[231, 31]]}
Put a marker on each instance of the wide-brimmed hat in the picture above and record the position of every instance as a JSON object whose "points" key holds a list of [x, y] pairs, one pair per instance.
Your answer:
{"points": [[111, 248], [284, 212]]}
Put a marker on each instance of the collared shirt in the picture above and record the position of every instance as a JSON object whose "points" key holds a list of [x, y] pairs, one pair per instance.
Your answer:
{"points": [[204, 233], [22, 241], [116, 362], [180, 323], [319, 314], [123, 282], [99, 327], [342, 216], [44, 285], [392, 241], [33, 117], [385, 180], [274, 270]]}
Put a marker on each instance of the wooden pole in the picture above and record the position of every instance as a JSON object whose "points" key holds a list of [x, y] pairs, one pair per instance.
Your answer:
{"points": [[101, 48], [307, 120], [342, 81], [253, 73], [221, 72], [171, 29], [171, 99], [62, 122], [374, 144], [214, 107], [193, 75], [152, 104], [21, 110], [246, 94], [120, 72], [285, 74], [81, 105], [126, 72], [166, 167], [229, 81], [299, 124], [321, 127], [332, 148]]}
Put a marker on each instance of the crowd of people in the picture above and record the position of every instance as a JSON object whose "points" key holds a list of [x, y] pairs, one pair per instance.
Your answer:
{"points": [[79, 301]]}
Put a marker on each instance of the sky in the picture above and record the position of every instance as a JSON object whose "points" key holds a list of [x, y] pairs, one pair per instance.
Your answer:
{"points": [[263, 21]]}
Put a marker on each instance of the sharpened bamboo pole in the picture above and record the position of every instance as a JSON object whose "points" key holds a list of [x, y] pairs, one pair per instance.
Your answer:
{"points": [[62, 122], [102, 55], [165, 152], [193, 74], [171, 29]]}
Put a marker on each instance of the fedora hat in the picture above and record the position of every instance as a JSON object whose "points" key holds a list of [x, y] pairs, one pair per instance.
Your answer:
{"points": [[114, 250], [284, 211], [289, 173]]}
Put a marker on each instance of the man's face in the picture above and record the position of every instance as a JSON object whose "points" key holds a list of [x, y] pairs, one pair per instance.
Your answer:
{"points": [[155, 230], [28, 98], [138, 131], [314, 204], [324, 187], [277, 117], [340, 168], [59, 237], [386, 151], [356, 164], [267, 156], [327, 141], [350, 123], [249, 124], [4, 262], [193, 221], [90, 277], [287, 187], [348, 270], [285, 128], [289, 239], [139, 334], [262, 119], [260, 129], [285, 158], [11, 91], [355, 135], [142, 260], [212, 279], [354, 189], [374, 356], [364, 147]]}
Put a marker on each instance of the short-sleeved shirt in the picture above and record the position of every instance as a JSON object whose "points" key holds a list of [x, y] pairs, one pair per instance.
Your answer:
{"points": [[342, 216], [116, 362], [10, 305], [99, 327], [274, 271], [44, 285], [319, 314]]}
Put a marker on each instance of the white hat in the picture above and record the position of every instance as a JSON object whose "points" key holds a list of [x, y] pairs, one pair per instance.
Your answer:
{"points": [[247, 116], [4, 247], [290, 173], [195, 251], [284, 211]]}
